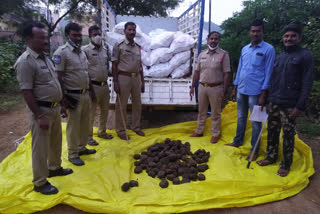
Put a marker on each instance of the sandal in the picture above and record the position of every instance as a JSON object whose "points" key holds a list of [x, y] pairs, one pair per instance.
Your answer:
{"points": [[92, 142], [105, 136], [264, 162]]}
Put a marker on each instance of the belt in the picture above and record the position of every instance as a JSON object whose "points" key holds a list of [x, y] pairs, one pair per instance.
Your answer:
{"points": [[129, 74], [98, 83], [82, 91], [47, 104], [211, 84]]}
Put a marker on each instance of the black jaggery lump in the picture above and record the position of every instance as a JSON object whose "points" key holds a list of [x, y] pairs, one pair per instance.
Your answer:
{"points": [[125, 187], [164, 183], [133, 183]]}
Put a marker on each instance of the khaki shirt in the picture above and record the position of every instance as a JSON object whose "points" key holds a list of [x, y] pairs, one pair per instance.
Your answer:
{"points": [[37, 73], [98, 59], [128, 57], [212, 66], [74, 67]]}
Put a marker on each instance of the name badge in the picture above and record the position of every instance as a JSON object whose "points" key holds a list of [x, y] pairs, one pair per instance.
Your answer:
{"points": [[94, 54], [259, 54]]}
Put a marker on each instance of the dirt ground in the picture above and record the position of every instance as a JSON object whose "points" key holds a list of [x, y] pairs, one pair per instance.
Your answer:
{"points": [[15, 124]]}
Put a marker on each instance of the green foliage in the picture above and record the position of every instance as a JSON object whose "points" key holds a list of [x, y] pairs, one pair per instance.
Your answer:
{"points": [[9, 53], [143, 8], [276, 14], [313, 105], [307, 127]]}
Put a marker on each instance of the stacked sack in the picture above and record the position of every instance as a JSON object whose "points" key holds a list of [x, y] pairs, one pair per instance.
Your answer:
{"points": [[163, 53]]}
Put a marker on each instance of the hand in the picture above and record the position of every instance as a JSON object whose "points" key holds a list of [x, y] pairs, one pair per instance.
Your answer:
{"points": [[191, 92], [234, 94], [142, 87], [261, 101], [116, 87], [63, 112], [294, 113], [43, 122]]}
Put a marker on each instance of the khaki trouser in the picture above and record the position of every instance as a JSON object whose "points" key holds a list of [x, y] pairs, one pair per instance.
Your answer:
{"points": [[46, 145], [210, 95], [129, 85], [78, 125], [103, 97]]}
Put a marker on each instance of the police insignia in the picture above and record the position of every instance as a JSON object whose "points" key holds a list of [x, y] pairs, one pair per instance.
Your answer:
{"points": [[57, 59]]}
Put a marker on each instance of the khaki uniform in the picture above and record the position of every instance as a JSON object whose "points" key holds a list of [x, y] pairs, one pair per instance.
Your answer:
{"points": [[98, 71], [128, 58], [74, 66], [211, 67], [36, 73]]}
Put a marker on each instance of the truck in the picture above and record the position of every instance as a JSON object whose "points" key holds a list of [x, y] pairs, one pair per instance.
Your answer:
{"points": [[167, 93]]}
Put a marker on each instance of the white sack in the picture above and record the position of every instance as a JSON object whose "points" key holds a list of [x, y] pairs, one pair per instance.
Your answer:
{"points": [[156, 32], [145, 57], [144, 41], [162, 40], [119, 28], [160, 70], [160, 55], [113, 38], [181, 42], [181, 70], [179, 59]]}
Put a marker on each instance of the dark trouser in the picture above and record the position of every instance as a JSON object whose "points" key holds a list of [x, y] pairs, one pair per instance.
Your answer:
{"points": [[279, 117]]}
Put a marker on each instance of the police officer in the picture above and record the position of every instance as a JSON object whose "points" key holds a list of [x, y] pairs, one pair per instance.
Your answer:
{"points": [[128, 79], [213, 70], [98, 58], [290, 87], [42, 92], [72, 68]]}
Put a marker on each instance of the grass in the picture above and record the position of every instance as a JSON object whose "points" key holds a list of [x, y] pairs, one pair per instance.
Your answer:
{"points": [[10, 101], [307, 127]]}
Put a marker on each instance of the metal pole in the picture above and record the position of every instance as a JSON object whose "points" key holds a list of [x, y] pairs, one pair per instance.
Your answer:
{"points": [[209, 16], [201, 27]]}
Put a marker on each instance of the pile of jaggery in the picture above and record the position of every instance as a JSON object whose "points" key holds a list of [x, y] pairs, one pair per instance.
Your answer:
{"points": [[172, 160]]}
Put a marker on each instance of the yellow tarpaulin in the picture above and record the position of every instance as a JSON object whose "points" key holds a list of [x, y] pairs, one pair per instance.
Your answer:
{"points": [[96, 186]]}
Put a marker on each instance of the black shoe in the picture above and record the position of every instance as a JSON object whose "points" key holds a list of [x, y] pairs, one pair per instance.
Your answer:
{"points": [[60, 172], [87, 152], [46, 189], [76, 161]]}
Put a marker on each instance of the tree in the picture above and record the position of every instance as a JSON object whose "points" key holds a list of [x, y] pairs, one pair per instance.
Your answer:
{"points": [[276, 15], [143, 7]]}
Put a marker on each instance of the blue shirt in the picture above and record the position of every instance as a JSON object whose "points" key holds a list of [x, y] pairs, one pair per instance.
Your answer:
{"points": [[255, 68]]}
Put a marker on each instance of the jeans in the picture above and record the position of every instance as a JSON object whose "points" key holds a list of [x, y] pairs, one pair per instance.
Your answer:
{"points": [[244, 102]]}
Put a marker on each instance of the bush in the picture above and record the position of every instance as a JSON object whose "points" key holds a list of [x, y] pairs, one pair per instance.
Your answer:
{"points": [[9, 53]]}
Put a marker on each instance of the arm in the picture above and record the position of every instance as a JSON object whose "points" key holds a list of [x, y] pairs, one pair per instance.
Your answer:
{"points": [[91, 92], [142, 78], [270, 54], [226, 73], [59, 68], [195, 79], [25, 75], [115, 74], [236, 81], [307, 80], [33, 106]]}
